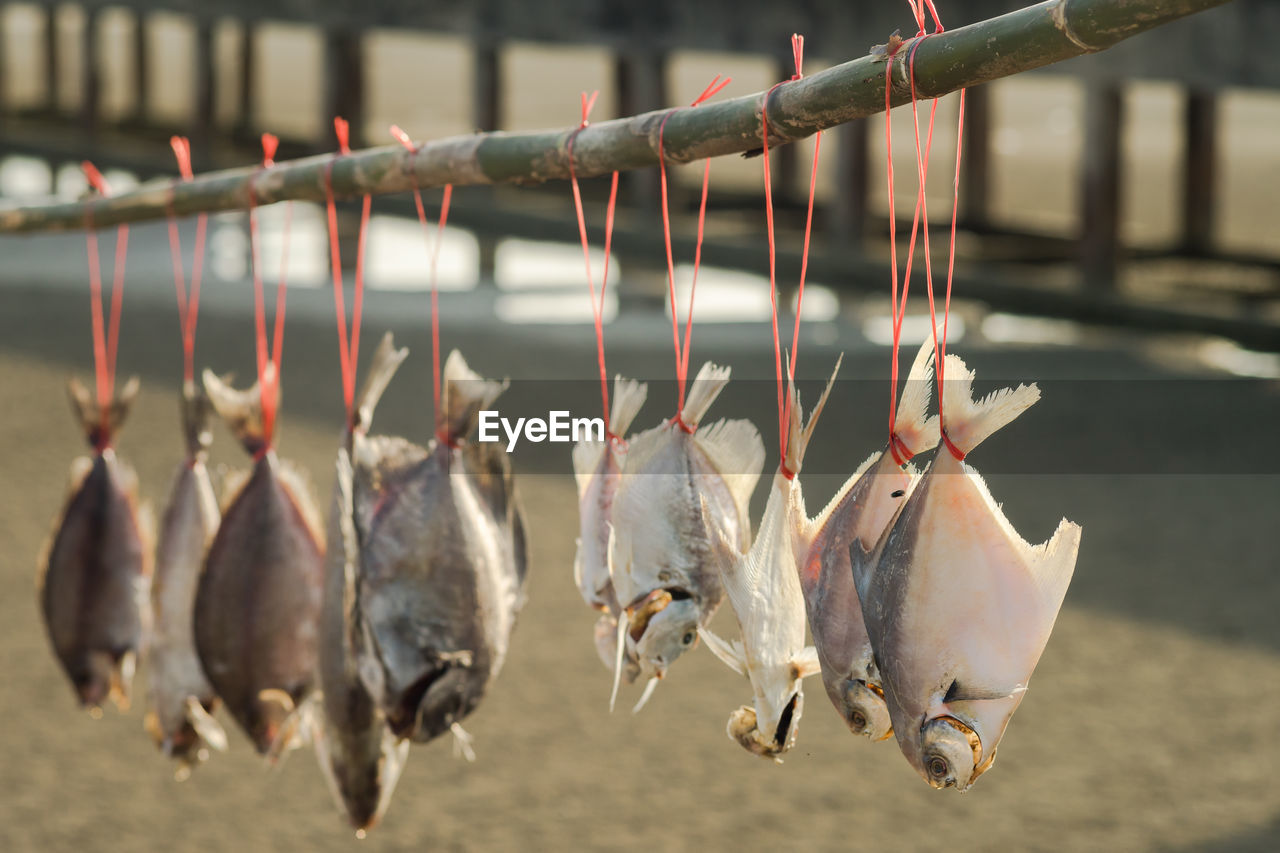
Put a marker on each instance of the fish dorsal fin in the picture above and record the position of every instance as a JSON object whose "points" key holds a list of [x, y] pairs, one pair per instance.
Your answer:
{"points": [[821, 519], [386, 360], [628, 396], [586, 461], [241, 410], [706, 387], [806, 663], [466, 393], [970, 422], [912, 423], [296, 483], [730, 653], [736, 452]]}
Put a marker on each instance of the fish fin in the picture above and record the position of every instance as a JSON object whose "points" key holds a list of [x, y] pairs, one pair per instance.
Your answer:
{"points": [[241, 410], [385, 362], [204, 724], [912, 424], [621, 647], [970, 422], [731, 653], [628, 397], [195, 409], [466, 393], [646, 695], [820, 520], [737, 453], [121, 678], [863, 565], [706, 387], [462, 741], [806, 663], [586, 460], [95, 415], [797, 437], [295, 726]]}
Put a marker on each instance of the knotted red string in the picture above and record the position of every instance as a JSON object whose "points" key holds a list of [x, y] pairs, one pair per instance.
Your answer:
{"points": [[597, 307], [682, 352], [188, 303], [268, 366], [348, 353], [784, 399], [105, 344], [442, 427]]}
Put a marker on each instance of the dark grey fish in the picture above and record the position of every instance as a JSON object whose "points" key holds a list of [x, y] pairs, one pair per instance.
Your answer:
{"points": [[182, 700], [96, 570], [443, 562], [359, 755], [257, 607]]}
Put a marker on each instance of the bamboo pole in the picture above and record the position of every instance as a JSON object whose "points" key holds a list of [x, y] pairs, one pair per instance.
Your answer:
{"points": [[1028, 38]]}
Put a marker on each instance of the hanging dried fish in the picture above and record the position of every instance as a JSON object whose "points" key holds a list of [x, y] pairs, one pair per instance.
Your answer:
{"points": [[258, 602], [182, 700], [957, 604], [96, 570]]}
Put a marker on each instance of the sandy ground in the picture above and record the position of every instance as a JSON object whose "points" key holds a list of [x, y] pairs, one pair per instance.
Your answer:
{"points": [[1150, 725]]}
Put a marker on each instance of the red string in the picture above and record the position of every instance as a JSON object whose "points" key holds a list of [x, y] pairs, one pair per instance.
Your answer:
{"points": [[597, 307], [348, 353], [682, 352], [442, 427], [188, 304], [104, 344], [268, 368], [784, 399]]}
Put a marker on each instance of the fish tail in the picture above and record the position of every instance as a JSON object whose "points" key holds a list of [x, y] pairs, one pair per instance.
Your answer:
{"points": [[385, 362], [466, 393], [242, 410], [195, 409], [707, 385], [969, 422], [912, 424], [628, 396], [797, 437], [100, 421]]}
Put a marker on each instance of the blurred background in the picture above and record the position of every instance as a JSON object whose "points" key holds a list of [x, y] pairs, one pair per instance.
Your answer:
{"points": [[1117, 244]]}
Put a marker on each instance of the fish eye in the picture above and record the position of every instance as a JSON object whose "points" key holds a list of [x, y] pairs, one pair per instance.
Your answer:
{"points": [[688, 638], [858, 720], [938, 768]]}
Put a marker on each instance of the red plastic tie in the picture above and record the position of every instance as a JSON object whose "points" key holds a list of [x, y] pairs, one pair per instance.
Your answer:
{"points": [[188, 303], [955, 451], [442, 426], [268, 366], [105, 344], [348, 353], [597, 306], [682, 352]]}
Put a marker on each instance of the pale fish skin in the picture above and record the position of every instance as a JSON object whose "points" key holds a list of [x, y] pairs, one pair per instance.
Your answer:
{"points": [[681, 492], [763, 587], [182, 700], [597, 469], [443, 558], [95, 572], [861, 511], [257, 609], [958, 605], [360, 757]]}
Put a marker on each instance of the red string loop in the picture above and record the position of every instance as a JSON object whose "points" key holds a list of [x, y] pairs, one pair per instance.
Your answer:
{"points": [[105, 343], [348, 352], [188, 303], [268, 365], [682, 351], [597, 306]]}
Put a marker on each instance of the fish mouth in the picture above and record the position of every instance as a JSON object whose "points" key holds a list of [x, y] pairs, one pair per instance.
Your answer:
{"points": [[403, 720], [784, 723], [641, 611]]}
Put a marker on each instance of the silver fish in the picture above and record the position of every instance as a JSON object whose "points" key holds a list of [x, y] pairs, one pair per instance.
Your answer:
{"points": [[257, 606], [683, 488], [860, 511], [96, 569], [764, 591], [958, 605], [597, 468], [182, 701], [443, 559], [360, 757]]}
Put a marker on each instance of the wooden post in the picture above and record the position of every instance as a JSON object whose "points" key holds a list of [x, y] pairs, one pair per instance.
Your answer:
{"points": [[1199, 171], [244, 123], [141, 69], [51, 58], [344, 83], [975, 160], [847, 224], [204, 100], [90, 78], [1100, 185], [640, 77]]}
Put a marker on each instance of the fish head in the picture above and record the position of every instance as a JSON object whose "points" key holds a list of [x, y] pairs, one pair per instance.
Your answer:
{"points": [[744, 727], [606, 636], [102, 676], [446, 693], [662, 626], [861, 704], [950, 754]]}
